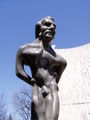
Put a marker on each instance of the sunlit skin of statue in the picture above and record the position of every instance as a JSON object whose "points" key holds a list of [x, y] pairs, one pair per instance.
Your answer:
{"points": [[46, 68]]}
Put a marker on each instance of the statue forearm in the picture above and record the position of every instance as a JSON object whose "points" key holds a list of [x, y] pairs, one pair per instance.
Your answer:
{"points": [[24, 76], [20, 72], [60, 73], [59, 70]]}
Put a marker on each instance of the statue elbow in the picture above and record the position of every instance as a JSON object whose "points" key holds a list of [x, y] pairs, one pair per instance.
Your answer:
{"points": [[18, 73], [65, 64]]}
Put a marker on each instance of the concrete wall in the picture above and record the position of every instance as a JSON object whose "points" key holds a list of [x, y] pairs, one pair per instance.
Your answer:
{"points": [[74, 85]]}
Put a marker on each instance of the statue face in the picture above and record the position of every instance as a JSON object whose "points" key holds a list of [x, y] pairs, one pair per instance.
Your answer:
{"points": [[48, 30]]}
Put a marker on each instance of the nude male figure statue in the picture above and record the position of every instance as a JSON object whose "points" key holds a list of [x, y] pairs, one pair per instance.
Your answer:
{"points": [[46, 68]]}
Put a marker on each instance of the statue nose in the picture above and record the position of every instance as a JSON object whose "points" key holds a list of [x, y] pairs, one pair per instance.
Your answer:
{"points": [[52, 26]]}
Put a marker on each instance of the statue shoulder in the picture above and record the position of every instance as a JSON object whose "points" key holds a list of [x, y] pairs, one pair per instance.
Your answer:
{"points": [[30, 48]]}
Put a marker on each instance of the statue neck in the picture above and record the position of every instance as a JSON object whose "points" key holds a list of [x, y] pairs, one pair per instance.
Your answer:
{"points": [[44, 43]]}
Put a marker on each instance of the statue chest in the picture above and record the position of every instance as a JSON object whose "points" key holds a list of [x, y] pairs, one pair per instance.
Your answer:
{"points": [[45, 60]]}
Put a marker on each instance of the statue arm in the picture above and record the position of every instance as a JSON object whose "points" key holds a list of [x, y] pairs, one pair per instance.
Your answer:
{"points": [[20, 72], [60, 67]]}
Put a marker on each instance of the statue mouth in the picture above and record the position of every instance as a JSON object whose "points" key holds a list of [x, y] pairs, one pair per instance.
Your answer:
{"points": [[49, 32]]}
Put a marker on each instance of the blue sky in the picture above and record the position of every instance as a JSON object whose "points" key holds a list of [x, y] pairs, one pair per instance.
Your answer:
{"points": [[17, 27]]}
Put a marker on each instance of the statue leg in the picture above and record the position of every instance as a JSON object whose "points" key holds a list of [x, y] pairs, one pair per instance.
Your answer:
{"points": [[37, 104], [52, 104]]}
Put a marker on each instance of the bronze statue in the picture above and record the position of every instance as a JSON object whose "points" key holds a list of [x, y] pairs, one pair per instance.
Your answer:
{"points": [[46, 67]]}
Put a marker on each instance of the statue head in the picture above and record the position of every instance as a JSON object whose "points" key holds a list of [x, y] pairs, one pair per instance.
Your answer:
{"points": [[45, 29]]}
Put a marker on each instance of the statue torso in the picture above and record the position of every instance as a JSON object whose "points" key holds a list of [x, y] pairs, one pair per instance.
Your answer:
{"points": [[44, 63]]}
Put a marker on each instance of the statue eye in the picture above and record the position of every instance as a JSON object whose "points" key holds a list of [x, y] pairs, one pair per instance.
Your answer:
{"points": [[47, 24]]}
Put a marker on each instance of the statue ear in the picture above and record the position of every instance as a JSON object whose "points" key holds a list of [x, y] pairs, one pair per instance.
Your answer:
{"points": [[37, 29]]}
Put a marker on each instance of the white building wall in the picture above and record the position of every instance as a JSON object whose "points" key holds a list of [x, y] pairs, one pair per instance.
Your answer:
{"points": [[74, 85]]}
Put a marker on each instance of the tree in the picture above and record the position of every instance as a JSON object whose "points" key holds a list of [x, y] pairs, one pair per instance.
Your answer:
{"points": [[22, 103], [3, 110], [10, 117]]}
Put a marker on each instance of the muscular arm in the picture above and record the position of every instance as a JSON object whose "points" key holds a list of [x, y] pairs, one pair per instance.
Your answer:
{"points": [[57, 63], [21, 60], [20, 72], [60, 67]]}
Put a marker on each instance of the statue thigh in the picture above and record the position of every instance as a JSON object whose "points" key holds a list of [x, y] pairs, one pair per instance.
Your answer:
{"points": [[37, 104], [52, 104]]}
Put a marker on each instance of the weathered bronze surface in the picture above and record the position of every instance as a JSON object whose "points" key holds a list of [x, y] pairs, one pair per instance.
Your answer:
{"points": [[46, 67]]}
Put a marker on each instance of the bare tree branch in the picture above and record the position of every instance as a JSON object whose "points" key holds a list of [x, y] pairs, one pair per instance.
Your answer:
{"points": [[22, 103], [3, 110]]}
